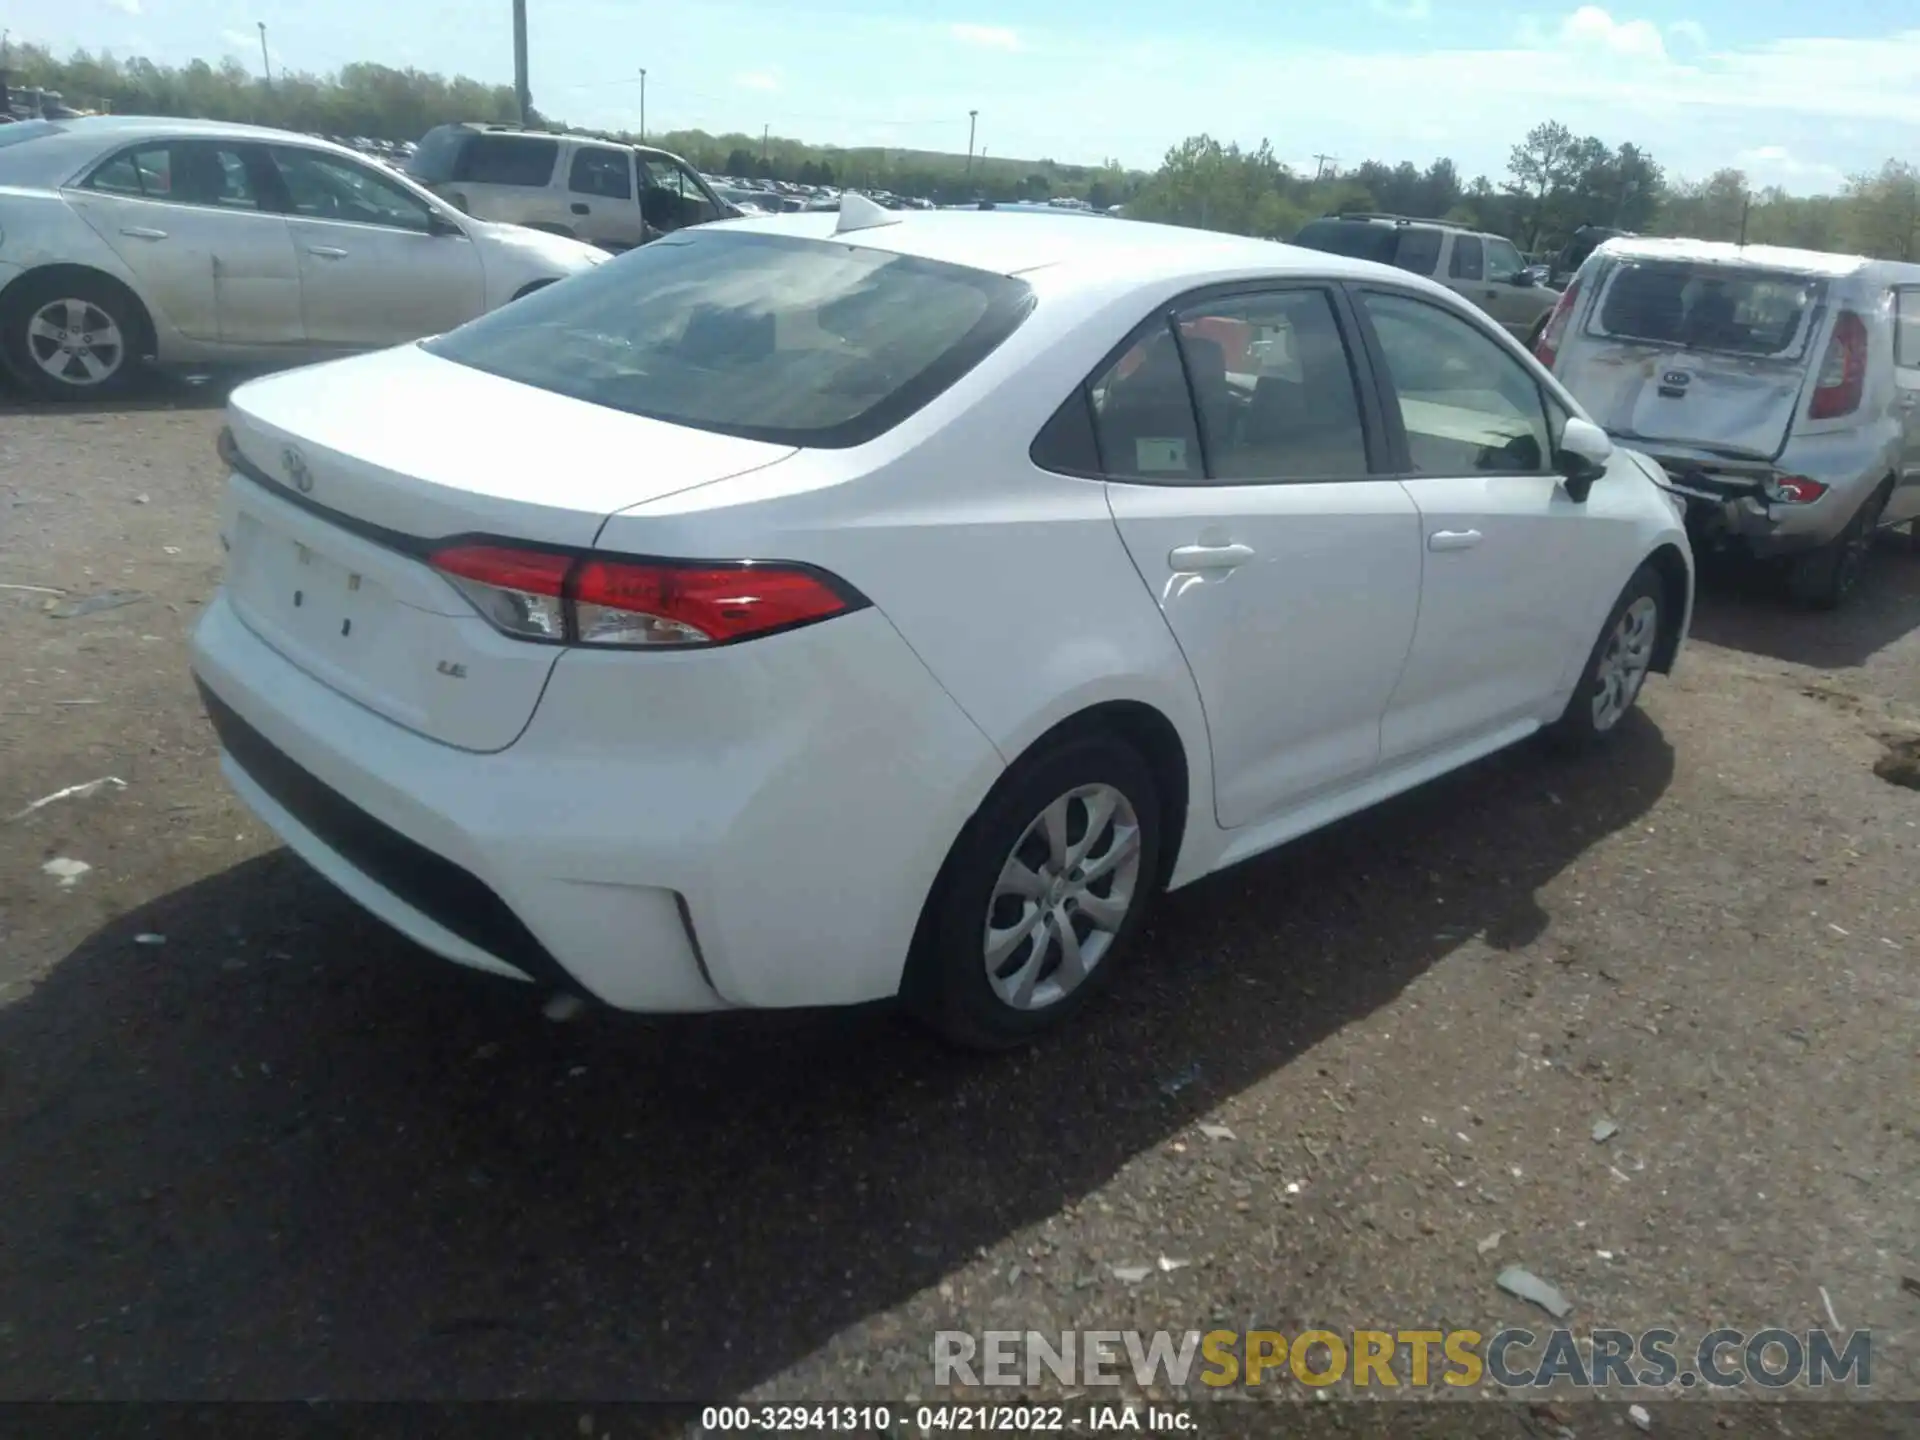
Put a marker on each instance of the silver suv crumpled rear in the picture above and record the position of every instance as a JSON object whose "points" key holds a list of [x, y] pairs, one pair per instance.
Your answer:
{"points": [[1772, 385]]}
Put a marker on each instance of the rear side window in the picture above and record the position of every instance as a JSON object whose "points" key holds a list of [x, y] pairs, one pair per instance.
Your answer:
{"points": [[1418, 251], [507, 160], [1467, 259], [1143, 413], [797, 342], [599, 170], [1359, 239], [1701, 307]]}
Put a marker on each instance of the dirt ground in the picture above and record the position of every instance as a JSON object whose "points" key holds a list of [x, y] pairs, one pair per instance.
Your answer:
{"points": [[284, 1154]]}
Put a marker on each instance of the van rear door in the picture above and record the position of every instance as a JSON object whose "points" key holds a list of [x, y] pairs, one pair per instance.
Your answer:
{"points": [[1696, 353]]}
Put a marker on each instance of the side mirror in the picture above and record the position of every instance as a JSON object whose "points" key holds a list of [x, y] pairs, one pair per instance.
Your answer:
{"points": [[438, 224], [1582, 457]]}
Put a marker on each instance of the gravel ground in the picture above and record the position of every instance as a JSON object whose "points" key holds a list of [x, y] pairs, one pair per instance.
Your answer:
{"points": [[285, 1154]]}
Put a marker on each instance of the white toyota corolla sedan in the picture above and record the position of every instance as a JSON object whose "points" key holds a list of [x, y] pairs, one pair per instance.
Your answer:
{"points": [[822, 608]]}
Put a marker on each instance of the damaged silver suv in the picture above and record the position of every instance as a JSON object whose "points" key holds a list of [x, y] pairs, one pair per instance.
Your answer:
{"points": [[1777, 388]]}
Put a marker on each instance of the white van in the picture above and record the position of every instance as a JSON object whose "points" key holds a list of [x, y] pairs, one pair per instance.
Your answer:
{"points": [[1777, 388]]}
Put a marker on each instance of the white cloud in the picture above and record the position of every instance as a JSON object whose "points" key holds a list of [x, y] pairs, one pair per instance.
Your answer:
{"points": [[125, 7], [988, 37], [1592, 29], [1691, 31], [757, 80], [1777, 165], [1403, 9]]}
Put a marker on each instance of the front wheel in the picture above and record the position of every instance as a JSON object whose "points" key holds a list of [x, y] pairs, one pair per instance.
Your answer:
{"points": [[1040, 895], [70, 338], [1617, 666]]}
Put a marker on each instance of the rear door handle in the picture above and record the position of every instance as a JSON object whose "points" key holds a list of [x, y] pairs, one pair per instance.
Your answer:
{"points": [[1453, 539], [1209, 557], [580, 208], [327, 252], [141, 232]]}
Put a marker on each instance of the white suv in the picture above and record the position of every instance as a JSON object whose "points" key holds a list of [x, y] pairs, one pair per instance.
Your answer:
{"points": [[605, 192]]}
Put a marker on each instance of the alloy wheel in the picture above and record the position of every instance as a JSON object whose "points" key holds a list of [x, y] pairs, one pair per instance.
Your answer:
{"points": [[1625, 661], [76, 343]]}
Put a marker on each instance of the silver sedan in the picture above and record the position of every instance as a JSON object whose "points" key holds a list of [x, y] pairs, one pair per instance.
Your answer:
{"points": [[186, 242]]}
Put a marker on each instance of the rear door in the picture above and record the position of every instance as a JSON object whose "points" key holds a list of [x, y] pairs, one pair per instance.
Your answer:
{"points": [[1698, 354], [600, 196], [1235, 433], [194, 220], [372, 270]]}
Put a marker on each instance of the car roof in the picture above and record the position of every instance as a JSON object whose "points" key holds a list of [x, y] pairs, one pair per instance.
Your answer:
{"points": [[53, 159], [1738, 257], [1019, 244]]}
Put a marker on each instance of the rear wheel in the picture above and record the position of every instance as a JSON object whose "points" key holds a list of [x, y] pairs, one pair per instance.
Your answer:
{"points": [[1040, 895], [71, 337], [1829, 577], [1617, 666]]}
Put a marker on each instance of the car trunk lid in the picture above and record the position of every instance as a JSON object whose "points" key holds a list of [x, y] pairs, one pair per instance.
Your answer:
{"points": [[1698, 354], [348, 475]]}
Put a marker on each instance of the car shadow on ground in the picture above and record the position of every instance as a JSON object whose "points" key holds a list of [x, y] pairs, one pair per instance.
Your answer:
{"points": [[1746, 607], [286, 1154]]}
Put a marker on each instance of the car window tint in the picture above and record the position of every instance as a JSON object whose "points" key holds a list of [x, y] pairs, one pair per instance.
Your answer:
{"points": [[1273, 383], [798, 342], [119, 176], [1065, 443], [1467, 405], [673, 199], [507, 160], [1466, 264], [1143, 413], [1418, 250], [326, 187], [1503, 262], [1906, 339], [603, 172], [1360, 239]]}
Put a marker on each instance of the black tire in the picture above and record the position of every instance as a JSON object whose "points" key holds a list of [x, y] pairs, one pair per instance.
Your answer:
{"points": [[948, 984], [1829, 577], [31, 353], [1582, 726], [533, 289]]}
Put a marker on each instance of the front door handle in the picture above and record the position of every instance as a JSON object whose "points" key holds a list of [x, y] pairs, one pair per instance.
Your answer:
{"points": [[580, 208], [327, 252], [1454, 539], [1209, 557], [141, 232]]}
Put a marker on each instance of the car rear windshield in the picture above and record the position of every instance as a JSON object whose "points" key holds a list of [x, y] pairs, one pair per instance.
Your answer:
{"points": [[432, 161], [797, 342], [1740, 312], [22, 131]]}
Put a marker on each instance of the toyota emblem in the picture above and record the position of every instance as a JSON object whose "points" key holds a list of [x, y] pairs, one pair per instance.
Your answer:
{"points": [[295, 465]]}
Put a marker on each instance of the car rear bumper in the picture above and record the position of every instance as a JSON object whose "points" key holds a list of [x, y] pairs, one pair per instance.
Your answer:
{"points": [[629, 846], [1728, 507]]}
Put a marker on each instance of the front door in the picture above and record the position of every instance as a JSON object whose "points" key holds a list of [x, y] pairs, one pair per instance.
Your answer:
{"points": [[1515, 304], [1239, 470], [1512, 570], [600, 197], [186, 217], [374, 270]]}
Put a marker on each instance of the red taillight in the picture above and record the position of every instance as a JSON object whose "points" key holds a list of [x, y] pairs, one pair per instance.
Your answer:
{"points": [[1794, 489], [588, 599], [1843, 371], [1548, 346]]}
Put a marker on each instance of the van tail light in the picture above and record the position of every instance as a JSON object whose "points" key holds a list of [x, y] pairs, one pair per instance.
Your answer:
{"points": [[1548, 346], [581, 598], [1843, 372]]}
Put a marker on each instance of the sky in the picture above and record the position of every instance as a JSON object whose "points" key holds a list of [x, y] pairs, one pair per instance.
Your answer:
{"points": [[1795, 93]]}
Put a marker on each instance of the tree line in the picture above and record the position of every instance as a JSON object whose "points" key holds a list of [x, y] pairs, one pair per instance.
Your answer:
{"points": [[1555, 180]]}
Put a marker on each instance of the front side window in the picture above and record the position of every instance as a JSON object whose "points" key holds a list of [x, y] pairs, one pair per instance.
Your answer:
{"points": [[325, 187], [1468, 406], [1467, 261], [671, 197], [797, 342], [1503, 262], [599, 170], [1274, 387], [1143, 413]]}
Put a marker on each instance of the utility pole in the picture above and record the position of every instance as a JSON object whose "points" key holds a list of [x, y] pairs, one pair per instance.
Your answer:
{"points": [[973, 118], [1746, 208], [643, 102], [1320, 163], [764, 129], [266, 68], [522, 98]]}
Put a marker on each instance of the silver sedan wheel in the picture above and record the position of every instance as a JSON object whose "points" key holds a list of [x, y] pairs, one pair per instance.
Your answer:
{"points": [[76, 342], [1062, 896], [1625, 661]]}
